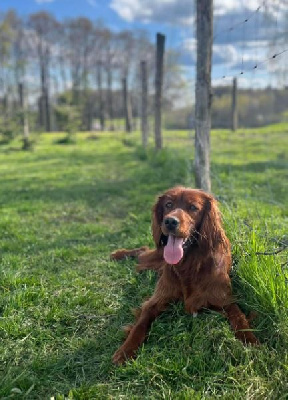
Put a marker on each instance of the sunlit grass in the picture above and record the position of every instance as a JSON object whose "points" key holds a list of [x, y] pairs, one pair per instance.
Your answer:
{"points": [[64, 208]]}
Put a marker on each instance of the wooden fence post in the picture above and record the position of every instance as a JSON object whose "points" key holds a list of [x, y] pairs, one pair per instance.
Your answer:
{"points": [[144, 103], [203, 94], [127, 106], [158, 89]]}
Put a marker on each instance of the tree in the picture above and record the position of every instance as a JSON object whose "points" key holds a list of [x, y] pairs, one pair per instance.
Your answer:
{"points": [[10, 121], [80, 38], [99, 65], [6, 41], [109, 63], [126, 56], [144, 52], [44, 26]]}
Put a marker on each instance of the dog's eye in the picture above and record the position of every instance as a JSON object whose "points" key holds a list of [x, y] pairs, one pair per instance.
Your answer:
{"points": [[169, 204], [193, 207]]}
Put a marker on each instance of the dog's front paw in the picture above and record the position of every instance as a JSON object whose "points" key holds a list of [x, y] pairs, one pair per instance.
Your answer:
{"points": [[122, 355]]}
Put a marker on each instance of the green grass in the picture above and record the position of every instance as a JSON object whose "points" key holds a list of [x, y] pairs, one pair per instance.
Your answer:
{"points": [[63, 302]]}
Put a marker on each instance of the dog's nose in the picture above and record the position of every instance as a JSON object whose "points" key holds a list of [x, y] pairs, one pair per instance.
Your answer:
{"points": [[171, 223]]}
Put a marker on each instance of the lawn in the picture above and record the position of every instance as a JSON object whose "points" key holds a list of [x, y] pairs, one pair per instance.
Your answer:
{"points": [[64, 208]]}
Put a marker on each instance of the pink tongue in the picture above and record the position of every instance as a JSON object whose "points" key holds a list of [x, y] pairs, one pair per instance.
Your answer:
{"points": [[173, 251]]}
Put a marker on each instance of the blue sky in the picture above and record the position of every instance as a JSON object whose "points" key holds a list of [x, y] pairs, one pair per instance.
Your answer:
{"points": [[237, 46], [93, 9]]}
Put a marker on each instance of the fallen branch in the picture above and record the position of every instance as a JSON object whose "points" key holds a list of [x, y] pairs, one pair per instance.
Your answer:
{"points": [[270, 253]]}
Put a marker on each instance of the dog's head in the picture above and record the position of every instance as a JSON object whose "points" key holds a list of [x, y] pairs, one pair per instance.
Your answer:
{"points": [[184, 217]]}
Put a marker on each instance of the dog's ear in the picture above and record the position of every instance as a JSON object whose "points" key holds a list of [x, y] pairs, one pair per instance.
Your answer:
{"points": [[211, 233], [157, 218]]}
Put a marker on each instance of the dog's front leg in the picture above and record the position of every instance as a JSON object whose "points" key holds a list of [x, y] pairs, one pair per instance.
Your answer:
{"points": [[150, 259], [193, 305], [137, 333], [121, 254], [148, 312]]}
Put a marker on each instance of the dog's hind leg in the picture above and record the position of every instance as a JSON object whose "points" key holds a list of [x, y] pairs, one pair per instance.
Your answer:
{"points": [[240, 324]]}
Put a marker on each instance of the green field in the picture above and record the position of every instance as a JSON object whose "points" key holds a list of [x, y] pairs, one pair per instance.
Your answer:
{"points": [[64, 208]]}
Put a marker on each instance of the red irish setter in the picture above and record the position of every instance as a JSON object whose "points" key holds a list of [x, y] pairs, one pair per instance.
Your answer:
{"points": [[193, 259]]}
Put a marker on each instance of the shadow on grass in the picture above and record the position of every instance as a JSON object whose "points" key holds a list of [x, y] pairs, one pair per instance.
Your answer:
{"points": [[145, 178], [87, 363], [90, 366], [90, 362], [257, 167]]}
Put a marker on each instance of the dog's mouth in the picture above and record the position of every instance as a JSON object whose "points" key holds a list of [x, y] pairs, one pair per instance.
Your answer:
{"points": [[173, 248]]}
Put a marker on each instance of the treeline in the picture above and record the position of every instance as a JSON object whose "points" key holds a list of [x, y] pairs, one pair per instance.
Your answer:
{"points": [[78, 74], [73, 72], [255, 107]]}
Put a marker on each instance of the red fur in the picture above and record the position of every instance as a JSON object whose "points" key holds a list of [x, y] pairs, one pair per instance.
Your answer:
{"points": [[200, 279]]}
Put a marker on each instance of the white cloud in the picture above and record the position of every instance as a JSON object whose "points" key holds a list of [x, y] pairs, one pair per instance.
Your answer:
{"points": [[225, 54], [233, 55], [92, 3], [179, 12], [130, 10], [222, 53], [227, 6], [190, 44], [238, 46], [169, 11]]}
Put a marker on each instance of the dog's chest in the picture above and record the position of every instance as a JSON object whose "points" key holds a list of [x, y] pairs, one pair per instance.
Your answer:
{"points": [[184, 280]]}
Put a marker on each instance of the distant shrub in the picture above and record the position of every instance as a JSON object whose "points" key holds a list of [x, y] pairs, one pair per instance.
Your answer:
{"points": [[256, 107], [128, 142], [9, 129], [69, 121], [68, 139], [141, 153]]}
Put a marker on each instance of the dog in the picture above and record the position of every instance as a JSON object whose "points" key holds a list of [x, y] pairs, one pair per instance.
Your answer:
{"points": [[193, 260]]}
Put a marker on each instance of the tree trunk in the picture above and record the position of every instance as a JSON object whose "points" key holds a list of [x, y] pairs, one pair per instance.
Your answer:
{"points": [[110, 98], [234, 106], [47, 110], [56, 91], [25, 122], [127, 106], [203, 94], [5, 103], [40, 120], [45, 98], [90, 112], [158, 89], [100, 96], [144, 103], [43, 116], [63, 74]]}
